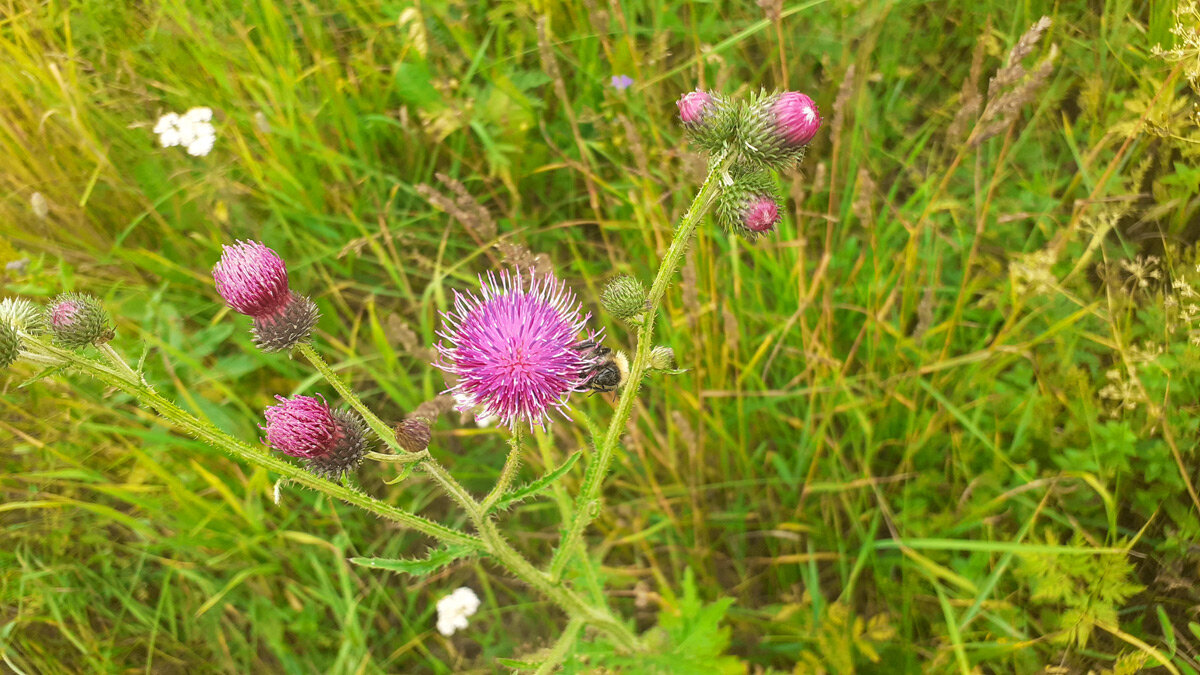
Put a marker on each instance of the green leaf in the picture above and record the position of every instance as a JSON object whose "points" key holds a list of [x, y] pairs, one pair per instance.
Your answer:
{"points": [[530, 489], [418, 567]]}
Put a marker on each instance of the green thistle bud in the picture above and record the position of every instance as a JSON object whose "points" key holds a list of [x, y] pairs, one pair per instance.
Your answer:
{"points": [[77, 320], [22, 315], [748, 205], [624, 297], [662, 358], [10, 345]]}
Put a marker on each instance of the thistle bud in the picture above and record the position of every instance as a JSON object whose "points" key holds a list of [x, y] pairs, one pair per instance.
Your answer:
{"points": [[662, 358], [708, 120], [624, 297], [78, 320], [331, 442], [10, 344], [252, 279], [748, 205], [776, 128], [414, 434], [22, 315]]}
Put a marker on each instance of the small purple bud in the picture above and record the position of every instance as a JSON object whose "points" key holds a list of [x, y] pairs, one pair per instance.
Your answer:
{"points": [[414, 434], [77, 320], [331, 442], [693, 105], [761, 214], [796, 118], [252, 279]]}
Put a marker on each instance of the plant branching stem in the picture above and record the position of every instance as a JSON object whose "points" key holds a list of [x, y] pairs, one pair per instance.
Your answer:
{"points": [[493, 542], [119, 378], [511, 464], [593, 480]]}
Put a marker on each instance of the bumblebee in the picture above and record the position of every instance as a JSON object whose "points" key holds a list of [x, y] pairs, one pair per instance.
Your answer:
{"points": [[609, 370]]}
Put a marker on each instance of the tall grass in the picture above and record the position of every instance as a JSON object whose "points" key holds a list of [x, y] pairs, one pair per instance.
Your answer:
{"points": [[890, 446]]}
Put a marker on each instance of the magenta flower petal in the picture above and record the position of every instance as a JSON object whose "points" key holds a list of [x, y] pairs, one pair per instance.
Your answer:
{"points": [[796, 117], [252, 279], [761, 214], [515, 348], [301, 426]]}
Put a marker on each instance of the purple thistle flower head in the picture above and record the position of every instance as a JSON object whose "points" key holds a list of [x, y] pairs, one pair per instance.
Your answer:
{"points": [[331, 442], [64, 313], [761, 214], [515, 348], [252, 279], [301, 426], [796, 118]]}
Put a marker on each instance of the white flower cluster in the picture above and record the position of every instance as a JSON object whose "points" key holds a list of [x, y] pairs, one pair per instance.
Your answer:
{"points": [[193, 130], [454, 609]]}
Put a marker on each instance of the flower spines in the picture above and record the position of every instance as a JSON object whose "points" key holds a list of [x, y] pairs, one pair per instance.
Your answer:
{"points": [[78, 320], [10, 344], [774, 129], [252, 279], [748, 205], [22, 315], [330, 442], [514, 347], [624, 296], [414, 434], [709, 119]]}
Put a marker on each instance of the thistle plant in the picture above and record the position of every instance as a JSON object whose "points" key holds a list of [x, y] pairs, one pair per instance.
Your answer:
{"points": [[516, 349]]}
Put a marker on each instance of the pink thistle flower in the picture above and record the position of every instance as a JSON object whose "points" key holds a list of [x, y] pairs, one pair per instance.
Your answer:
{"points": [[796, 118], [63, 314], [761, 214], [252, 279], [331, 441], [515, 348], [692, 106]]}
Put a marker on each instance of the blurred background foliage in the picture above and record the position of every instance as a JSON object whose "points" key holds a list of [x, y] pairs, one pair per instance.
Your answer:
{"points": [[943, 421]]}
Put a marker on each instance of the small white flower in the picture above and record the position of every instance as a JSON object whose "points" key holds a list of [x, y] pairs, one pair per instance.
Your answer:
{"points": [[454, 609], [193, 130], [41, 208]]}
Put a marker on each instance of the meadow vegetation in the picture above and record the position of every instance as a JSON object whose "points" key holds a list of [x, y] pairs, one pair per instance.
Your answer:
{"points": [[944, 420]]}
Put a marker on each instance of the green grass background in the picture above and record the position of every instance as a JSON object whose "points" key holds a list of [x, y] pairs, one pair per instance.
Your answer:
{"points": [[891, 457]]}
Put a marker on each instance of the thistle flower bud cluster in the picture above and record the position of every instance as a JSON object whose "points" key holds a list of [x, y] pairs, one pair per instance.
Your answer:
{"points": [[22, 315], [78, 320], [331, 442], [253, 281], [768, 131], [624, 297]]}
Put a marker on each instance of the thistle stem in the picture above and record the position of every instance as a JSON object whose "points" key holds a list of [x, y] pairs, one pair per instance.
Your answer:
{"points": [[210, 434], [511, 464], [597, 470], [493, 542]]}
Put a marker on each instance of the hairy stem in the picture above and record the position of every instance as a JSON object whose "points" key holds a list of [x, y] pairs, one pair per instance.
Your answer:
{"points": [[597, 469], [511, 464], [210, 434], [385, 433], [493, 542]]}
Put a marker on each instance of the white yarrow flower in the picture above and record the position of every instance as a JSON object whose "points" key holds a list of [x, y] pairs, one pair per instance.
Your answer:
{"points": [[454, 609], [193, 130]]}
